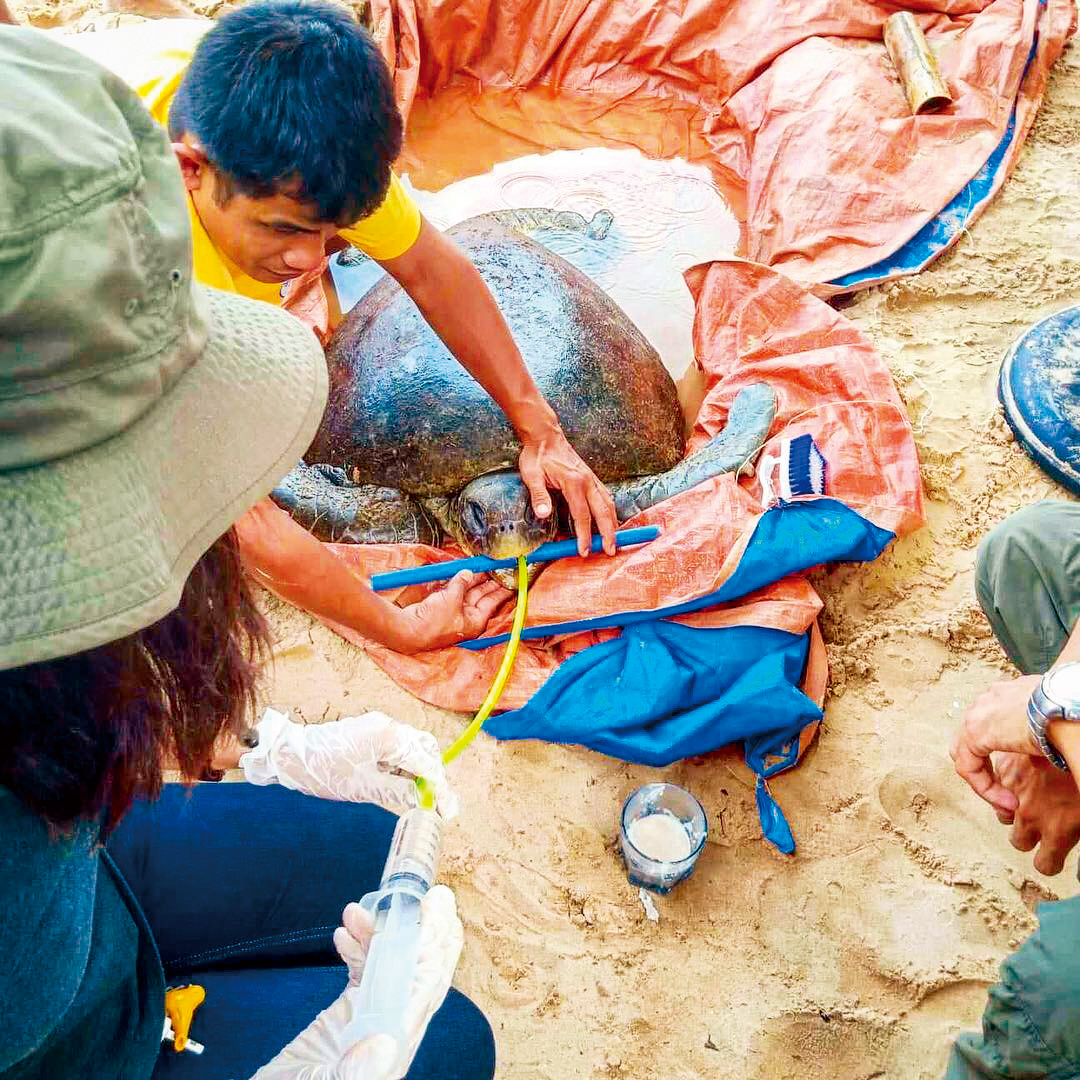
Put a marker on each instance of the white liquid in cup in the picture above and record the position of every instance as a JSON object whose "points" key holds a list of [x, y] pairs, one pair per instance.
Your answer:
{"points": [[660, 836]]}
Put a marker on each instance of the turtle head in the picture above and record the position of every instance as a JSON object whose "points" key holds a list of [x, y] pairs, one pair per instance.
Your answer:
{"points": [[494, 516]]}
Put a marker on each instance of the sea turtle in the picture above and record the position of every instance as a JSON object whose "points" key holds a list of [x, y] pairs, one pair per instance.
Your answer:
{"points": [[412, 449]]}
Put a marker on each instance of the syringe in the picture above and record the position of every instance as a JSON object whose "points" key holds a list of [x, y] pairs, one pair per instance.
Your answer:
{"points": [[408, 873], [390, 967]]}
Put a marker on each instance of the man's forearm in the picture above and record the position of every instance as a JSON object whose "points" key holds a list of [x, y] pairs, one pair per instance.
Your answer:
{"points": [[285, 557], [1064, 736], [459, 307]]}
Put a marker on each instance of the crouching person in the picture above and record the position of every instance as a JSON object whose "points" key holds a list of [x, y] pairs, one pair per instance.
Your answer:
{"points": [[1019, 749]]}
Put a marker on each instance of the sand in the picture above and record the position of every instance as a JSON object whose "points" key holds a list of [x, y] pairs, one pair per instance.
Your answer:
{"points": [[861, 956]]}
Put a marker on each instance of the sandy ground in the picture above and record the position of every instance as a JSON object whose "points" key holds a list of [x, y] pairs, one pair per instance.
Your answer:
{"points": [[861, 956]]}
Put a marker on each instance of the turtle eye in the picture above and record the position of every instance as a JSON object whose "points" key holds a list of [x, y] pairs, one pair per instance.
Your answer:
{"points": [[473, 518]]}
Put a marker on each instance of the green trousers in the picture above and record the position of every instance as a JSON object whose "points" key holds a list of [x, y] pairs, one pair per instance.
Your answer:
{"points": [[1028, 582]]}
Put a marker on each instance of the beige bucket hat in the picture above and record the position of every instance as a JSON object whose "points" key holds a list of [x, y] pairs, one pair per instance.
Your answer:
{"points": [[140, 414]]}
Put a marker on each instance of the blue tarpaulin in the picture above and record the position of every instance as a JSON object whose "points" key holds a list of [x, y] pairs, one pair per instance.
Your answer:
{"points": [[663, 691]]}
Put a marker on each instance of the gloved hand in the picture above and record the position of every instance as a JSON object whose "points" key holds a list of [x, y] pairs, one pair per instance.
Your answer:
{"points": [[353, 938], [351, 760], [320, 1051]]}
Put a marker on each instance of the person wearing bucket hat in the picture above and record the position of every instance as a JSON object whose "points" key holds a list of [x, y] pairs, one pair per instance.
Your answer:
{"points": [[140, 415], [286, 159]]}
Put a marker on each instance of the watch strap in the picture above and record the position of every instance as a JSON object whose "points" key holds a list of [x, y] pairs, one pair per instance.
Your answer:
{"points": [[1037, 711]]}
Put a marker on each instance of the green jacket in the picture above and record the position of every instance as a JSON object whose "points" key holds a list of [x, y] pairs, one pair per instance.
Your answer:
{"points": [[81, 984]]}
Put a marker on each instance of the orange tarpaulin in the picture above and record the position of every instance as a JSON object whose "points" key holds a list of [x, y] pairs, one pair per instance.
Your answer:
{"points": [[793, 103]]}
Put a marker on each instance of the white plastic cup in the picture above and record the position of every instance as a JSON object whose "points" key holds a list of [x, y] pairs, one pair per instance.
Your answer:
{"points": [[643, 869]]}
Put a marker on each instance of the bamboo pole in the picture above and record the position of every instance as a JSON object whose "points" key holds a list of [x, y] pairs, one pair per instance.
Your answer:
{"points": [[915, 64]]}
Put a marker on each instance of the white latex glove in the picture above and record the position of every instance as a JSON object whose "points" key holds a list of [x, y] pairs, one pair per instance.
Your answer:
{"points": [[353, 759], [320, 1051], [353, 937]]}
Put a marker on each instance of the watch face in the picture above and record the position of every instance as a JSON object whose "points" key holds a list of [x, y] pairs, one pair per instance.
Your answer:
{"points": [[1062, 686]]}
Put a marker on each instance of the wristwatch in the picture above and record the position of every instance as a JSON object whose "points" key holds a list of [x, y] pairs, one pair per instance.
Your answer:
{"points": [[1057, 697]]}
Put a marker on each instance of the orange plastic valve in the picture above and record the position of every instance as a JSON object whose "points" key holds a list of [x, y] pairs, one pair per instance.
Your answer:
{"points": [[180, 1005]]}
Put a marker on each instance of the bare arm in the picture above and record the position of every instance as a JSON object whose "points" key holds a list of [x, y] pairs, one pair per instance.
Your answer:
{"points": [[453, 298], [283, 555], [1064, 735], [6, 15]]}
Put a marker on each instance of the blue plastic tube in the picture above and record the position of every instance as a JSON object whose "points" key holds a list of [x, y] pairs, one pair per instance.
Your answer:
{"points": [[556, 549]]}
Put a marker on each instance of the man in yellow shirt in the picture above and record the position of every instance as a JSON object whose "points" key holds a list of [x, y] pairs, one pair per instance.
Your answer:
{"points": [[283, 120]]}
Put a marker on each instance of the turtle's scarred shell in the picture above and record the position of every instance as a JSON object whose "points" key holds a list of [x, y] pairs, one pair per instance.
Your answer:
{"points": [[402, 412]]}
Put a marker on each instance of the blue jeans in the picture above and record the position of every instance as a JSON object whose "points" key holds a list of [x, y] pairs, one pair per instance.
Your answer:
{"points": [[243, 888]]}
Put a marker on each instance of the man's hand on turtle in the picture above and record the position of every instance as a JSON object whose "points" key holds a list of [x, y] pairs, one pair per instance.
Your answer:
{"points": [[1047, 815], [455, 613], [551, 462], [995, 721]]}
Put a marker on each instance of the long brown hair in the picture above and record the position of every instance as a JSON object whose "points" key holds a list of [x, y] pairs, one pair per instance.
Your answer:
{"points": [[84, 735]]}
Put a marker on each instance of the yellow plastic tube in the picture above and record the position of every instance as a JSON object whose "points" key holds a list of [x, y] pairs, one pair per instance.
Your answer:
{"points": [[427, 796]]}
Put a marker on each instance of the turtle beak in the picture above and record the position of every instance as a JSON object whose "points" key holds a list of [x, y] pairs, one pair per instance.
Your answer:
{"points": [[520, 538]]}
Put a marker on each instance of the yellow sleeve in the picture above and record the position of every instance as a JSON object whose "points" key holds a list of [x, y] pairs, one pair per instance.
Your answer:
{"points": [[391, 230]]}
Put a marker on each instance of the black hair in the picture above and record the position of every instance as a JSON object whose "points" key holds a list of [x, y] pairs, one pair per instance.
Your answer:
{"points": [[293, 92], [84, 735]]}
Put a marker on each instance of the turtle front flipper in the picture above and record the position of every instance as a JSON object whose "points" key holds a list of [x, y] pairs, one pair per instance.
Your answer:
{"points": [[747, 428], [328, 504]]}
